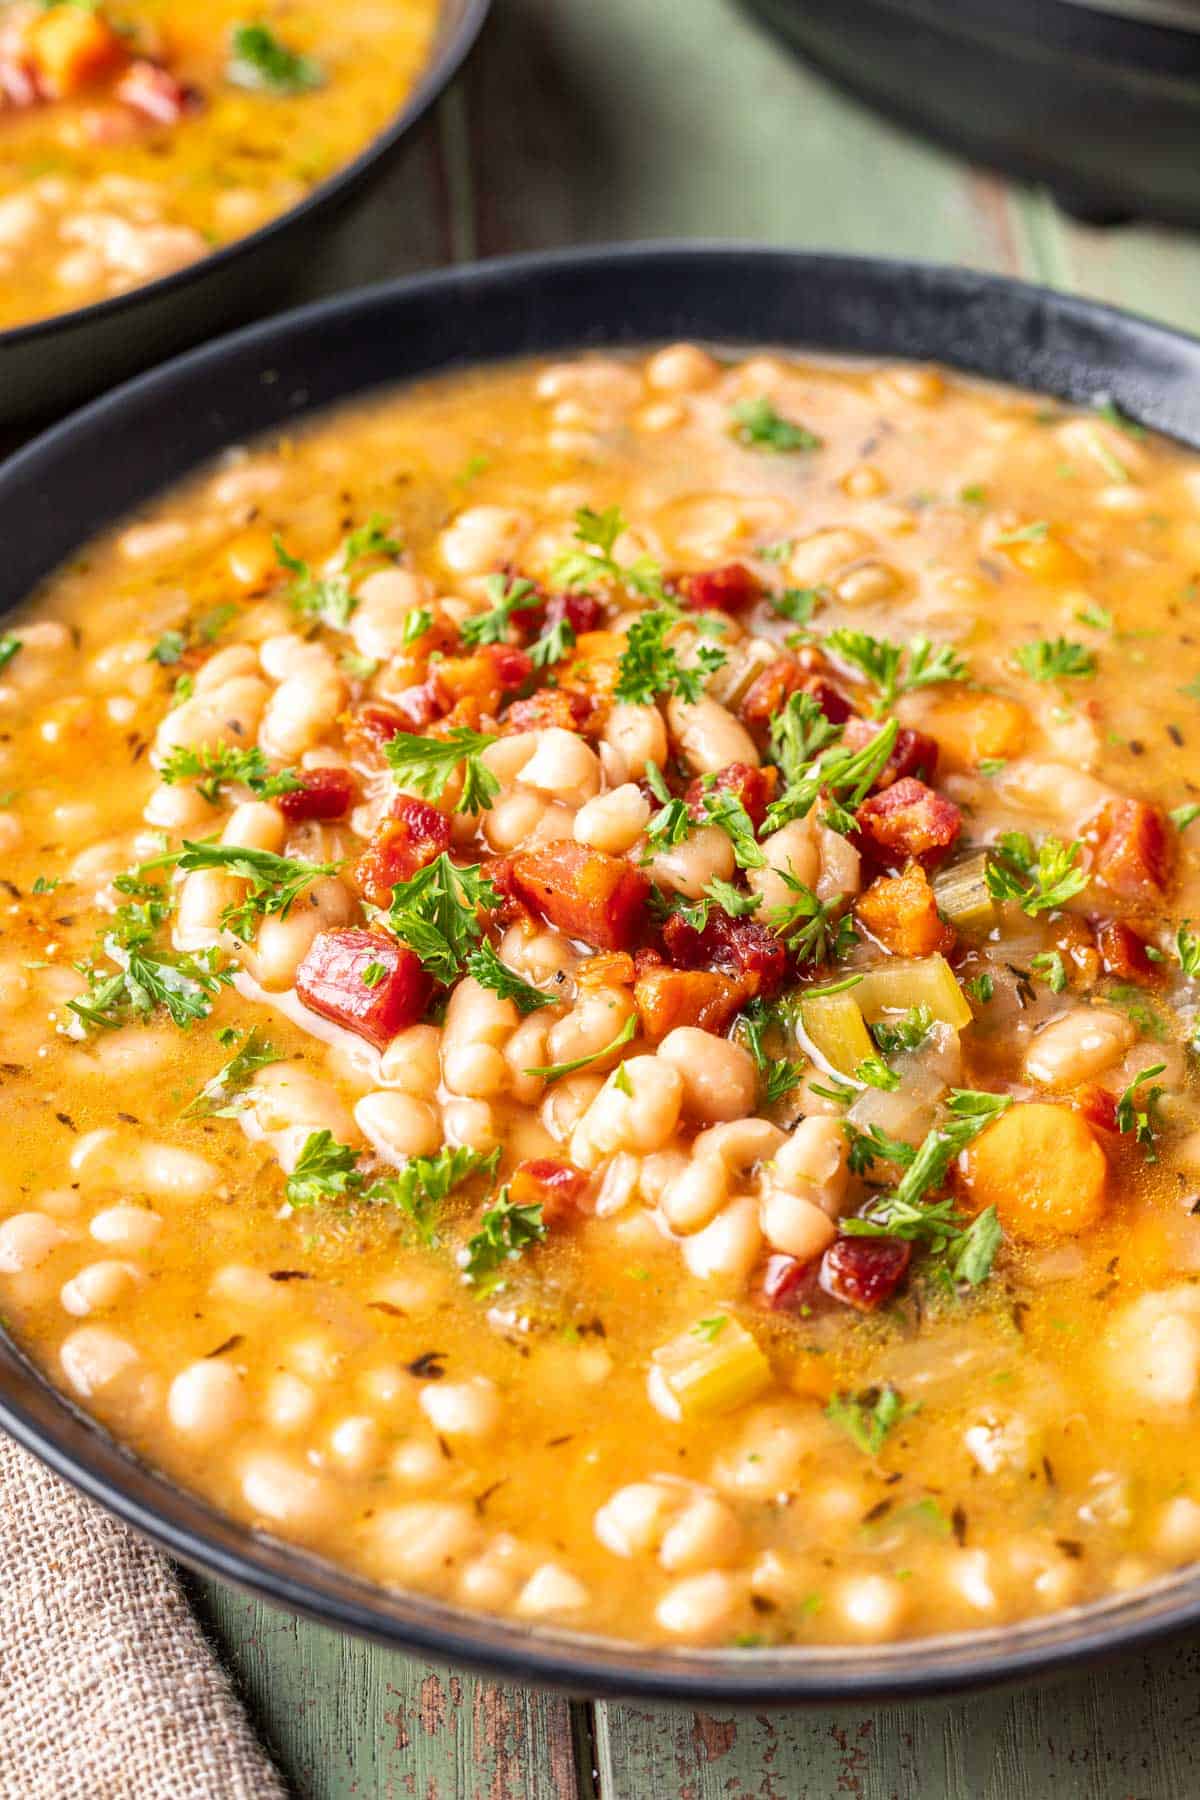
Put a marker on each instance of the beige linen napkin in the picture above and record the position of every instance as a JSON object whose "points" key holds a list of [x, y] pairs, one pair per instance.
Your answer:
{"points": [[108, 1688]]}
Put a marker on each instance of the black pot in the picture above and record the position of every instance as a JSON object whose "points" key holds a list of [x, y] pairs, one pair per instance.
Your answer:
{"points": [[70, 483], [54, 363], [1099, 98]]}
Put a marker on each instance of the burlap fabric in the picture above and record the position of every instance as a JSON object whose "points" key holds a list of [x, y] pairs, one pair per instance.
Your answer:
{"points": [[108, 1688]]}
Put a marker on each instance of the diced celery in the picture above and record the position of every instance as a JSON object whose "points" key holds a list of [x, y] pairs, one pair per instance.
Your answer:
{"points": [[834, 1027], [962, 895], [712, 1368], [906, 981]]}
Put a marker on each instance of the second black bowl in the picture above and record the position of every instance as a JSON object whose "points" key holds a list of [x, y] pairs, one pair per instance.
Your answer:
{"points": [[55, 362]]}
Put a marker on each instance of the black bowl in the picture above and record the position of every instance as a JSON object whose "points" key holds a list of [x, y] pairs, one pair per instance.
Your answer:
{"points": [[70, 483], [54, 363], [1099, 98]]}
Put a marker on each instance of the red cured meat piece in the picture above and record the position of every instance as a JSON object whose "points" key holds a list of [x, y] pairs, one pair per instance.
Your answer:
{"points": [[339, 980], [600, 900]]}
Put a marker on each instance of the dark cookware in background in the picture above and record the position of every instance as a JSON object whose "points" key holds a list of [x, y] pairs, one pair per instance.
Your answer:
{"points": [[53, 363], [1099, 98], [121, 450]]}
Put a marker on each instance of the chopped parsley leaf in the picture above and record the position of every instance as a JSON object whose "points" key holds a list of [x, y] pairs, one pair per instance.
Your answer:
{"points": [[1039, 881], [488, 970], [1050, 966], [426, 764], [844, 776], [505, 1230], [324, 1170], [275, 882], [556, 1071], [221, 1097], [895, 669], [1054, 659], [758, 426], [906, 1033], [507, 597], [261, 61], [424, 1182], [1137, 1112], [649, 666], [593, 560], [868, 1417], [327, 598], [872, 1071], [436, 911], [212, 765]]}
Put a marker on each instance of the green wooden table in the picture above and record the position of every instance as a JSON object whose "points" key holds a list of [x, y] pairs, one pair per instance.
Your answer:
{"points": [[581, 120]]}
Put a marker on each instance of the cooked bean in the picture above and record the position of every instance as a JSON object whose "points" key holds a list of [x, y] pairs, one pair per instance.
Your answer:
{"points": [[719, 1078], [1078, 1046], [709, 737], [701, 1608], [206, 1400]]}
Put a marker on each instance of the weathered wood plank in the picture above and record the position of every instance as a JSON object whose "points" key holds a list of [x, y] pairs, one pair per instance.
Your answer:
{"points": [[1125, 1733], [347, 1719]]}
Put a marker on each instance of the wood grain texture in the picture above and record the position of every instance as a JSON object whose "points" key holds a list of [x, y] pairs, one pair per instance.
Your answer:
{"points": [[582, 120], [346, 1719], [1126, 1733]]}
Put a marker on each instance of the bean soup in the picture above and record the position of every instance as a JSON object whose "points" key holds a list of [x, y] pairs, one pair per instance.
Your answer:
{"points": [[600, 997], [137, 136]]}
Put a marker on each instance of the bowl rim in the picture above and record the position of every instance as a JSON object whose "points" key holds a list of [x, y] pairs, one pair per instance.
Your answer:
{"points": [[448, 52], [48, 1423]]}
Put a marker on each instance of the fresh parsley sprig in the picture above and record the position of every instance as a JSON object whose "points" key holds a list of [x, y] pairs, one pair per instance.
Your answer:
{"points": [[436, 913], [1038, 880], [649, 666], [421, 1187], [327, 598], [224, 1096], [212, 766], [275, 883], [143, 977], [896, 669], [592, 562], [426, 764], [506, 597], [814, 930], [758, 426], [843, 775], [485, 965], [505, 1231], [960, 1254], [1054, 659]]}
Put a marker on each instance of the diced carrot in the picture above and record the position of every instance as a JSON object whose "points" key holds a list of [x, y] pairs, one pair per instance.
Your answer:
{"points": [[970, 727], [701, 997], [1042, 1169], [612, 968], [73, 47], [1046, 558], [594, 667], [901, 913]]}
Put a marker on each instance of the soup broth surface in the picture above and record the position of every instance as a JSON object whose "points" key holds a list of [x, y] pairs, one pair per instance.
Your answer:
{"points": [[600, 998], [139, 135]]}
